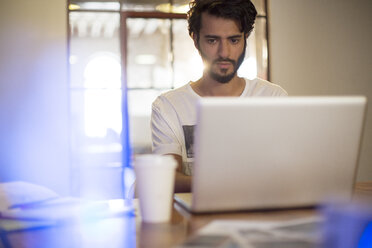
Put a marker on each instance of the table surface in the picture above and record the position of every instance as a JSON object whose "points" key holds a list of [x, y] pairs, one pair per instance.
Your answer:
{"points": [[130, 231]]}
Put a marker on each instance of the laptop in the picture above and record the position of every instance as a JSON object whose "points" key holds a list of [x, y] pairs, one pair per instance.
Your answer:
{"points": [[274, 152]]}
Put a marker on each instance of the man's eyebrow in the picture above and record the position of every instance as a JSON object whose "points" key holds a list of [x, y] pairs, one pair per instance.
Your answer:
{"points": [[210, 36], [235, 36]]}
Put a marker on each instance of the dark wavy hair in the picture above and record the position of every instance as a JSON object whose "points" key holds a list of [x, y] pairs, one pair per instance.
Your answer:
{"points": [[243, 11]]}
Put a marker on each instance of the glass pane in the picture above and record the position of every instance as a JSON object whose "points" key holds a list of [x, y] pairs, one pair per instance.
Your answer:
{"points": [[96, 119], [148, 53], [187, 62], [139, 104], [93, 35], [96, 143]]}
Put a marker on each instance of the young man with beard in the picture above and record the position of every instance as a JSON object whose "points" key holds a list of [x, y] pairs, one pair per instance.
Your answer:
{"points": [[219, 29]]}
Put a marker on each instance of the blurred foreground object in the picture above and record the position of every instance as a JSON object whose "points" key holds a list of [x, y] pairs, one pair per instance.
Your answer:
{"points": [[348, 225]]}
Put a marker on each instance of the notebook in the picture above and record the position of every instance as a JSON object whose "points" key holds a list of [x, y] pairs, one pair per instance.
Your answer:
{"points": [[274, 152]]}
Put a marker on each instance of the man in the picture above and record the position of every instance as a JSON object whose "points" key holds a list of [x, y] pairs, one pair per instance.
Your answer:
{"points": [[219, 29]]}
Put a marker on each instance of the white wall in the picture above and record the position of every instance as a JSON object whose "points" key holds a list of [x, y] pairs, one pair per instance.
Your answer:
{"points": [[34, 93], [323, 47]]}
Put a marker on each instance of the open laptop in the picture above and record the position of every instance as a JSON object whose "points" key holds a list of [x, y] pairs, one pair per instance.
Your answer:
{"points": [[280, 152]]}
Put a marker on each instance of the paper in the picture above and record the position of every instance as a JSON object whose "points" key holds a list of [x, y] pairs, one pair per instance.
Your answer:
{"points": [[299, 233], [10, 225], [69, 209], [19, 193], [26, 201]]}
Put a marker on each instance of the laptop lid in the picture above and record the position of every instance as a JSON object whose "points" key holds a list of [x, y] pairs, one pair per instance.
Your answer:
{"points": [[260, 153]]}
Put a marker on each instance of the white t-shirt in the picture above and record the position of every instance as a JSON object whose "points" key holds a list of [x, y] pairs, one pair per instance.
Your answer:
{"points": [[174, 117]]}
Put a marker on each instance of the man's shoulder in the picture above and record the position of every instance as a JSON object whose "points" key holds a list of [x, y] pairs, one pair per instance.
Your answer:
{"points": [[259, 82], [261, 87], [175, 96], [177, 92]]}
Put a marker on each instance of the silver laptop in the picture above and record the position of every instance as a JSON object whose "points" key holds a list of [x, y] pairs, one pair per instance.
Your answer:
{"points": [[268, 153]]}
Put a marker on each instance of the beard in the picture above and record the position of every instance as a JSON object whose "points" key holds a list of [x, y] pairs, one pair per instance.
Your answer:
{"points": [[223, 77]]}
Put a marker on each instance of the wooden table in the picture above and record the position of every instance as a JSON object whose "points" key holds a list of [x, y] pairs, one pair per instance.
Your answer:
{"points": [[129, 231], [184, 224]]}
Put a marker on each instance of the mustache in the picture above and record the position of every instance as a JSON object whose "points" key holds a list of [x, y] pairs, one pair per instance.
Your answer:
{"points": [[224, 60]]}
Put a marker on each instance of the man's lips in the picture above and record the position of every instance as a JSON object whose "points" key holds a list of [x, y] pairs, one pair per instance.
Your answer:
{"points": [[224, 65]]}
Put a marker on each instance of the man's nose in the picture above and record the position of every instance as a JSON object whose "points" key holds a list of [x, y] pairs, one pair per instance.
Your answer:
{"points": [[224, 49]]}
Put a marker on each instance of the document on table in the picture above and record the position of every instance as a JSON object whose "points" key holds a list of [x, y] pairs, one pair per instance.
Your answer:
{"points": [[10, 225], [26, 201], [18, 193], [69, 209], [301, 233]]}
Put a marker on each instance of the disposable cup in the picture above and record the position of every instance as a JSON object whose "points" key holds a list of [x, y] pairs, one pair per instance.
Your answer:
{"points": [[155, 176]]}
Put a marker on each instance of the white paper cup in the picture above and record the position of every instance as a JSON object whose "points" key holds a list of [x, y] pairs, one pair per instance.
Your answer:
{"points": [[155, 175]]}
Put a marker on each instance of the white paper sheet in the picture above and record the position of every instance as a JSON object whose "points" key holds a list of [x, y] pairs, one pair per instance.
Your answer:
{"points": [[299, 233]]}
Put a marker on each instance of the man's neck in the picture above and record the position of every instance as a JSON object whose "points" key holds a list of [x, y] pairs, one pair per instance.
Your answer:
{"points": [[206, 86]]}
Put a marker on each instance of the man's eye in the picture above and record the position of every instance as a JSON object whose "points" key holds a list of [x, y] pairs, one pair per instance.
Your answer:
{"points": [[211, 41], [234, 41]]}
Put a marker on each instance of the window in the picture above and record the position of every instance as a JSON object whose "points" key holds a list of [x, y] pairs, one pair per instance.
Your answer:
{"points": [[149, 42]]}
